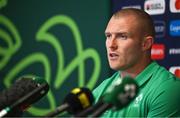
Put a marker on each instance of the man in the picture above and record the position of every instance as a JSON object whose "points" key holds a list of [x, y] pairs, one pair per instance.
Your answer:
{"points": [[129, 38]]}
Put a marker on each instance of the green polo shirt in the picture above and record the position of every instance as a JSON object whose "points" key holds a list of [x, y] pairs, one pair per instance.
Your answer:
{"points": [[159, 94]]}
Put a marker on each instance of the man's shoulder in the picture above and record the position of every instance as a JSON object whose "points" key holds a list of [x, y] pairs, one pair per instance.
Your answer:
{"points": [[165, 79], [165, 85], [108, 80], [100, 89]]}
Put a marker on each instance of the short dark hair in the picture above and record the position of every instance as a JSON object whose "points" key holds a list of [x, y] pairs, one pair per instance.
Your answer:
{"points": [[144, 20]]}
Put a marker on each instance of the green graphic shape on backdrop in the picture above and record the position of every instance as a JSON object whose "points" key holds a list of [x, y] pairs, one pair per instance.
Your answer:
{"points": [[78, 61], [11, 39], [3, 3]]}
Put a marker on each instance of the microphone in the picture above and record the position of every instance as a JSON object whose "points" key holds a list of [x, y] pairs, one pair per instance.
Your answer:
{"points": [[77, 100], [117, 97], [25, 91]]}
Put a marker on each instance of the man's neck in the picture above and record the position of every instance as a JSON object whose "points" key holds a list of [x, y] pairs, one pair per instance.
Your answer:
{"points": [[133, 72]]}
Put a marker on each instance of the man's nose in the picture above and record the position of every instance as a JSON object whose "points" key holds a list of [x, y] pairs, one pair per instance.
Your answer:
{"points": [[113, 43]]}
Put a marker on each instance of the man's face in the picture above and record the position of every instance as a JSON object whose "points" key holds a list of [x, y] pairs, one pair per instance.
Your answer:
{"points": [[123, 43]]}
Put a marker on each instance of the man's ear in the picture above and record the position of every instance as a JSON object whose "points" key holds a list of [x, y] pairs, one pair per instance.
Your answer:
{"points": [[147, 43]]}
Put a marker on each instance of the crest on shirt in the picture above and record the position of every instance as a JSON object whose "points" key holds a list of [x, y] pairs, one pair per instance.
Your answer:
{"points": [[138, 99]]}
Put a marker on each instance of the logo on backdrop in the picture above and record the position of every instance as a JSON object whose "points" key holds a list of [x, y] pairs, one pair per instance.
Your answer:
{"points": [[160, 28], [175, 6], [174, 51], [158, 51], [175, 70], [154, 7], [174, 28]]}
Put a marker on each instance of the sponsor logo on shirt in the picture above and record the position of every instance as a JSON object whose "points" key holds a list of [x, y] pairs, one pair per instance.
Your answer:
{"points": [[174, 28], [175, 70], [160, 28], [174, 51], [158, 51], [154, 7], [175, 6]]}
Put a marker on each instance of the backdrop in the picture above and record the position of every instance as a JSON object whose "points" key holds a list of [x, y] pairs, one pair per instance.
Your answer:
{"points": [[60, 40]]}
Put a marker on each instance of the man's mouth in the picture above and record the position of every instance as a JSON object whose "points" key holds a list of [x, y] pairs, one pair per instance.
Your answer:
{"points": [[113, 56]]}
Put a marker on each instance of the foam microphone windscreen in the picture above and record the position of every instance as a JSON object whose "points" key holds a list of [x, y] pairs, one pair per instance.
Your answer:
{"points": [[79, 99], [21, 87], [16, 91]]}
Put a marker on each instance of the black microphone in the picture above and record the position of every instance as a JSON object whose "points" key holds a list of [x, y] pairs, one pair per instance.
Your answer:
{"points": [[77, 100], [117, 96], [25, 91]]}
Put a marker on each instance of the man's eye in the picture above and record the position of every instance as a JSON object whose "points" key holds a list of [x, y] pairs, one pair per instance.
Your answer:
{"points": [[108, 36], [124, 37]]}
